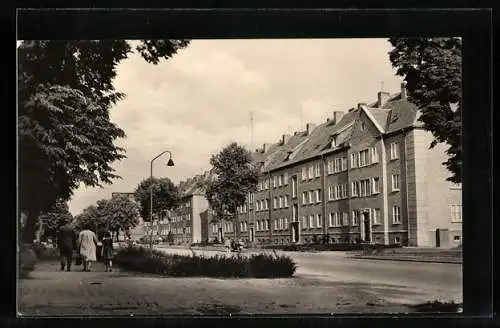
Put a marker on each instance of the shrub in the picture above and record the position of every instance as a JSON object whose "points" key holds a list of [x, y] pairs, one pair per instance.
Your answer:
{"points": [[153, 261], [44, 253]]}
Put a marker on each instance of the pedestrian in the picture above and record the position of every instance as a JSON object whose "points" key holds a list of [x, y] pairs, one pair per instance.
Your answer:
{"points": [[107, 251], [66, 241], [227, 243], [88, 243]]}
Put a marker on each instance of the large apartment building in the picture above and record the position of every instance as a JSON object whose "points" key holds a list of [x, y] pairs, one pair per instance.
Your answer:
{"points": [[364, 175], [188, 222]]}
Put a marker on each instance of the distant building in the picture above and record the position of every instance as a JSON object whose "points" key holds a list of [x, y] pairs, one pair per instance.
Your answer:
{"points": [[188, 223]]}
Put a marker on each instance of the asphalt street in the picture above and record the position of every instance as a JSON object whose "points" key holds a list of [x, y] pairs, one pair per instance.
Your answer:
{"points": [[435, 280]]}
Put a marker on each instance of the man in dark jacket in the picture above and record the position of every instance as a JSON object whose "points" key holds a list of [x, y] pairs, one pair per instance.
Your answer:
{"points": [[67, 243]]}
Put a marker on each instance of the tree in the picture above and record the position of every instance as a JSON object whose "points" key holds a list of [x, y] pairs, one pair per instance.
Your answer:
{"points": [[49, 221], [90, 218], [165, 196], [236, 175], [66, 138], [121, 213], [432, 69]]}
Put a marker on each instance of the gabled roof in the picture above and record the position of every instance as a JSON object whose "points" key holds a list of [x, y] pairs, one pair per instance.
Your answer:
{"points": [[195, 185], [396, 114]]}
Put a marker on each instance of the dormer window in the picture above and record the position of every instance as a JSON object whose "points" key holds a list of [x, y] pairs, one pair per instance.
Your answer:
{"points": [[334, 141], [394, 118]]}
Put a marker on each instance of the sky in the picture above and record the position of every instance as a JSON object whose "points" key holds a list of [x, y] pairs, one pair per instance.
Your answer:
{"points": [[200, 100]]}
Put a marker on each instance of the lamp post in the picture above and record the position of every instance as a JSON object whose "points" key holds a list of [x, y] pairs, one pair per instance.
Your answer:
{"points": [[169, 163]]}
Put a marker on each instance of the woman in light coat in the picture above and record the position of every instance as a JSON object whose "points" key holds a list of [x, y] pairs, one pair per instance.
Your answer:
{"points": [[88, 244]]}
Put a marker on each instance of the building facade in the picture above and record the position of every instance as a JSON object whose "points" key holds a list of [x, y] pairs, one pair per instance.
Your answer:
{"points": [[364, 175]]}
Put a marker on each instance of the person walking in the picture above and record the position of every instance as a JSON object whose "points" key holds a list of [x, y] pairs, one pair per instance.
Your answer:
{"points": [[66, 241], [88, 243], [107, 251]]}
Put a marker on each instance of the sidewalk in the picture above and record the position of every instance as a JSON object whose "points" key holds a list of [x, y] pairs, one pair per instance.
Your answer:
{"points": [[51, 292]]}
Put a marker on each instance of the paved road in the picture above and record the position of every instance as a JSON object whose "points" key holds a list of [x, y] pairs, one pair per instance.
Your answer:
{"points": [[324, 283], [436, 280]]}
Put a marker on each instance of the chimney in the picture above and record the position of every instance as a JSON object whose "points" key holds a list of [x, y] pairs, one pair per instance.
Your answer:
{"points": [[337, 116], [309, 128], [382, 98], [403, 90], [285, 138], [361, 105], [266, 147]]}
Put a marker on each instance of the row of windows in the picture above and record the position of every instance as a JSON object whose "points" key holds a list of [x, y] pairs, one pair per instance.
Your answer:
{"points": [[176, 231], [179, 218], [281, 224], [243, 208], [364, 158], [276, 181], [456, 213], [338, 219], [280, 202], [337, 165], [311, 172], [314, 196], [336, 192]]}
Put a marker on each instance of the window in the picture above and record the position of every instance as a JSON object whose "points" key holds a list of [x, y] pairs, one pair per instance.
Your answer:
{"points": [[395, 182], [456, 213], [317, 170], [266, 204], [456, 238], [345, 218], [304, 173], [334, 141], [295, 209], [344, 163], [337, 165], [355, 218], [331, 193], [294, 186], [373, 155], [354, 163], [311, 172], [354, 189], [375, 185], [267, 224], [364, 158], [304, 222], [376, 216], [276, 224], [318, 196], [330, 166], [397, 240], [394, 151], [280, 180], [396, 214], [285, 199], [338, 219], [330, 219], [275, 202], [364, 187], [281, 224], [311, 197], [344, 190], [304, 197], [285, 179], [285, 223], [281, 202], [318, 220], [311, 221]]}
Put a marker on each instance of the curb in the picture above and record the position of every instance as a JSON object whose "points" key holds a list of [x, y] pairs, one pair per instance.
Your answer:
{"points": [[407, 259]]}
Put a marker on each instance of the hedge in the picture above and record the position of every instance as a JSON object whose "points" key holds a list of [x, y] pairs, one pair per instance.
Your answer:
{"points": [[257, 266]]}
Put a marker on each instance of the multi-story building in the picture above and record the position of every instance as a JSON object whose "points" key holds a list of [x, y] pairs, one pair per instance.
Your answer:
{"points": [[188, 222], [364, 175], [367, 175]]}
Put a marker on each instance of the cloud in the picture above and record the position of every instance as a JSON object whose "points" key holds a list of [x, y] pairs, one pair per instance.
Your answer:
{"points": [[201, 99]]}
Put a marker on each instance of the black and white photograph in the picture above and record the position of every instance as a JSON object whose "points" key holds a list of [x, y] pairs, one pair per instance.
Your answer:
{"points": [[239, 176]]}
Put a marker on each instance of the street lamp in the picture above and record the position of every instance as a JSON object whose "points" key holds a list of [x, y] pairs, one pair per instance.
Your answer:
{"points": [[169, 163]]}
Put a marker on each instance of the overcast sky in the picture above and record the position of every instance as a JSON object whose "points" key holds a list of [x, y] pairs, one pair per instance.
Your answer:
{"points": [[201, 100]]}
